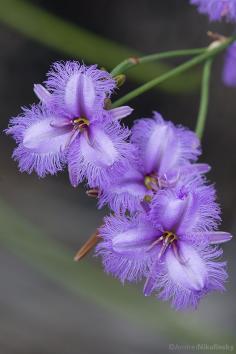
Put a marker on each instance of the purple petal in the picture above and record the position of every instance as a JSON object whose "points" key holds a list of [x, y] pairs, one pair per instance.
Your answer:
{"points": [[185, 283], [217, 9], [99, 149], [214, 237], [41, 146], [203, 213], [191, 274], [120, 112], [101, 157], [169, 210], [43, 94], [80, 95], [125, 193], [79, 90], [195, 168], [124, 246], [182, 213], [42, 138], [60, 122], [163, 147]]}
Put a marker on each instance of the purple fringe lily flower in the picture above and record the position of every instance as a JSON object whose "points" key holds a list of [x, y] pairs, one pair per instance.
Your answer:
{"points": [[229, 70], [163, 158], [171, 246], [217, 9], [72, 127], [164, 228]]}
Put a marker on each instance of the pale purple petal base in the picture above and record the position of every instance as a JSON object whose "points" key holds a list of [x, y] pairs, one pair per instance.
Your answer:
{"points": [[170, 288]]}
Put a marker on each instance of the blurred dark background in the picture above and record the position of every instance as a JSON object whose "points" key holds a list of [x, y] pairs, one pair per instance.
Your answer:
{"points": [[39, 315]]}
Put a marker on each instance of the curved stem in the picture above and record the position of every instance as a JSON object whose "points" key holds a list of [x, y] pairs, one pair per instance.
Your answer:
{"points": [[133, 61], [201, 120], [211, 52]]}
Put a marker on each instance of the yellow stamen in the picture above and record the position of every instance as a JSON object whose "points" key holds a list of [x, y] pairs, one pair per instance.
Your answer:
{"points": [[147, 198], [150, 182], [81, 121], [169, 236]]}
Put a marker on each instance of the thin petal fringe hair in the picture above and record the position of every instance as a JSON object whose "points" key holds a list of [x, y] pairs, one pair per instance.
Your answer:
{"points": [[61, 72], [120, 266], [28, 160], [97, 176], [182, 298], [188, 141]]}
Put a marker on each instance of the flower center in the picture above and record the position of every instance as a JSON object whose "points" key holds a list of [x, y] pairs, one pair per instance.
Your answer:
{"points": [[169, 237], [80, 123], [167, 240], [151, 182]]}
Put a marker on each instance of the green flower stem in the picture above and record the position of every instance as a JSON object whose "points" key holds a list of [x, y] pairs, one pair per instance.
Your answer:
{"points": [[133, 61], [211, 52], [201, 120], [69, 39]]}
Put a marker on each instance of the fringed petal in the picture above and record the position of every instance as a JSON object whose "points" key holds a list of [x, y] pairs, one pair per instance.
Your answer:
{"points": [[186, 211], [125, 193], [41, 146], [99, 156], [124, 247], [163, 147], [191, 273], [79, 90], [184, 284], [217, 9]]}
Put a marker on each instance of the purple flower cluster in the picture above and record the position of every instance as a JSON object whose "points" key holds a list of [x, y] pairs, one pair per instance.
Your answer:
{"points": [[217, 9], [163, 226]]}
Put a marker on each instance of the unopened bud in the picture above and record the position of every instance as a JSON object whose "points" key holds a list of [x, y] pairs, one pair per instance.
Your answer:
{"points": [[107, 104], [87, 246], [120, 80], [93, 193], [134, 60], [218, 39]]}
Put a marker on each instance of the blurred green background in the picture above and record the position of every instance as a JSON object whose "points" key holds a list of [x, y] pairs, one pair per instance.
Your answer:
{"points": [[48, 303]]}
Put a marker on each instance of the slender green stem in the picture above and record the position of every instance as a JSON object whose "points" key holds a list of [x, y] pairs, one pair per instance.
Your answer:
{"points": [[33, 21], [211, 52], [201, 120], [133, 61]]}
